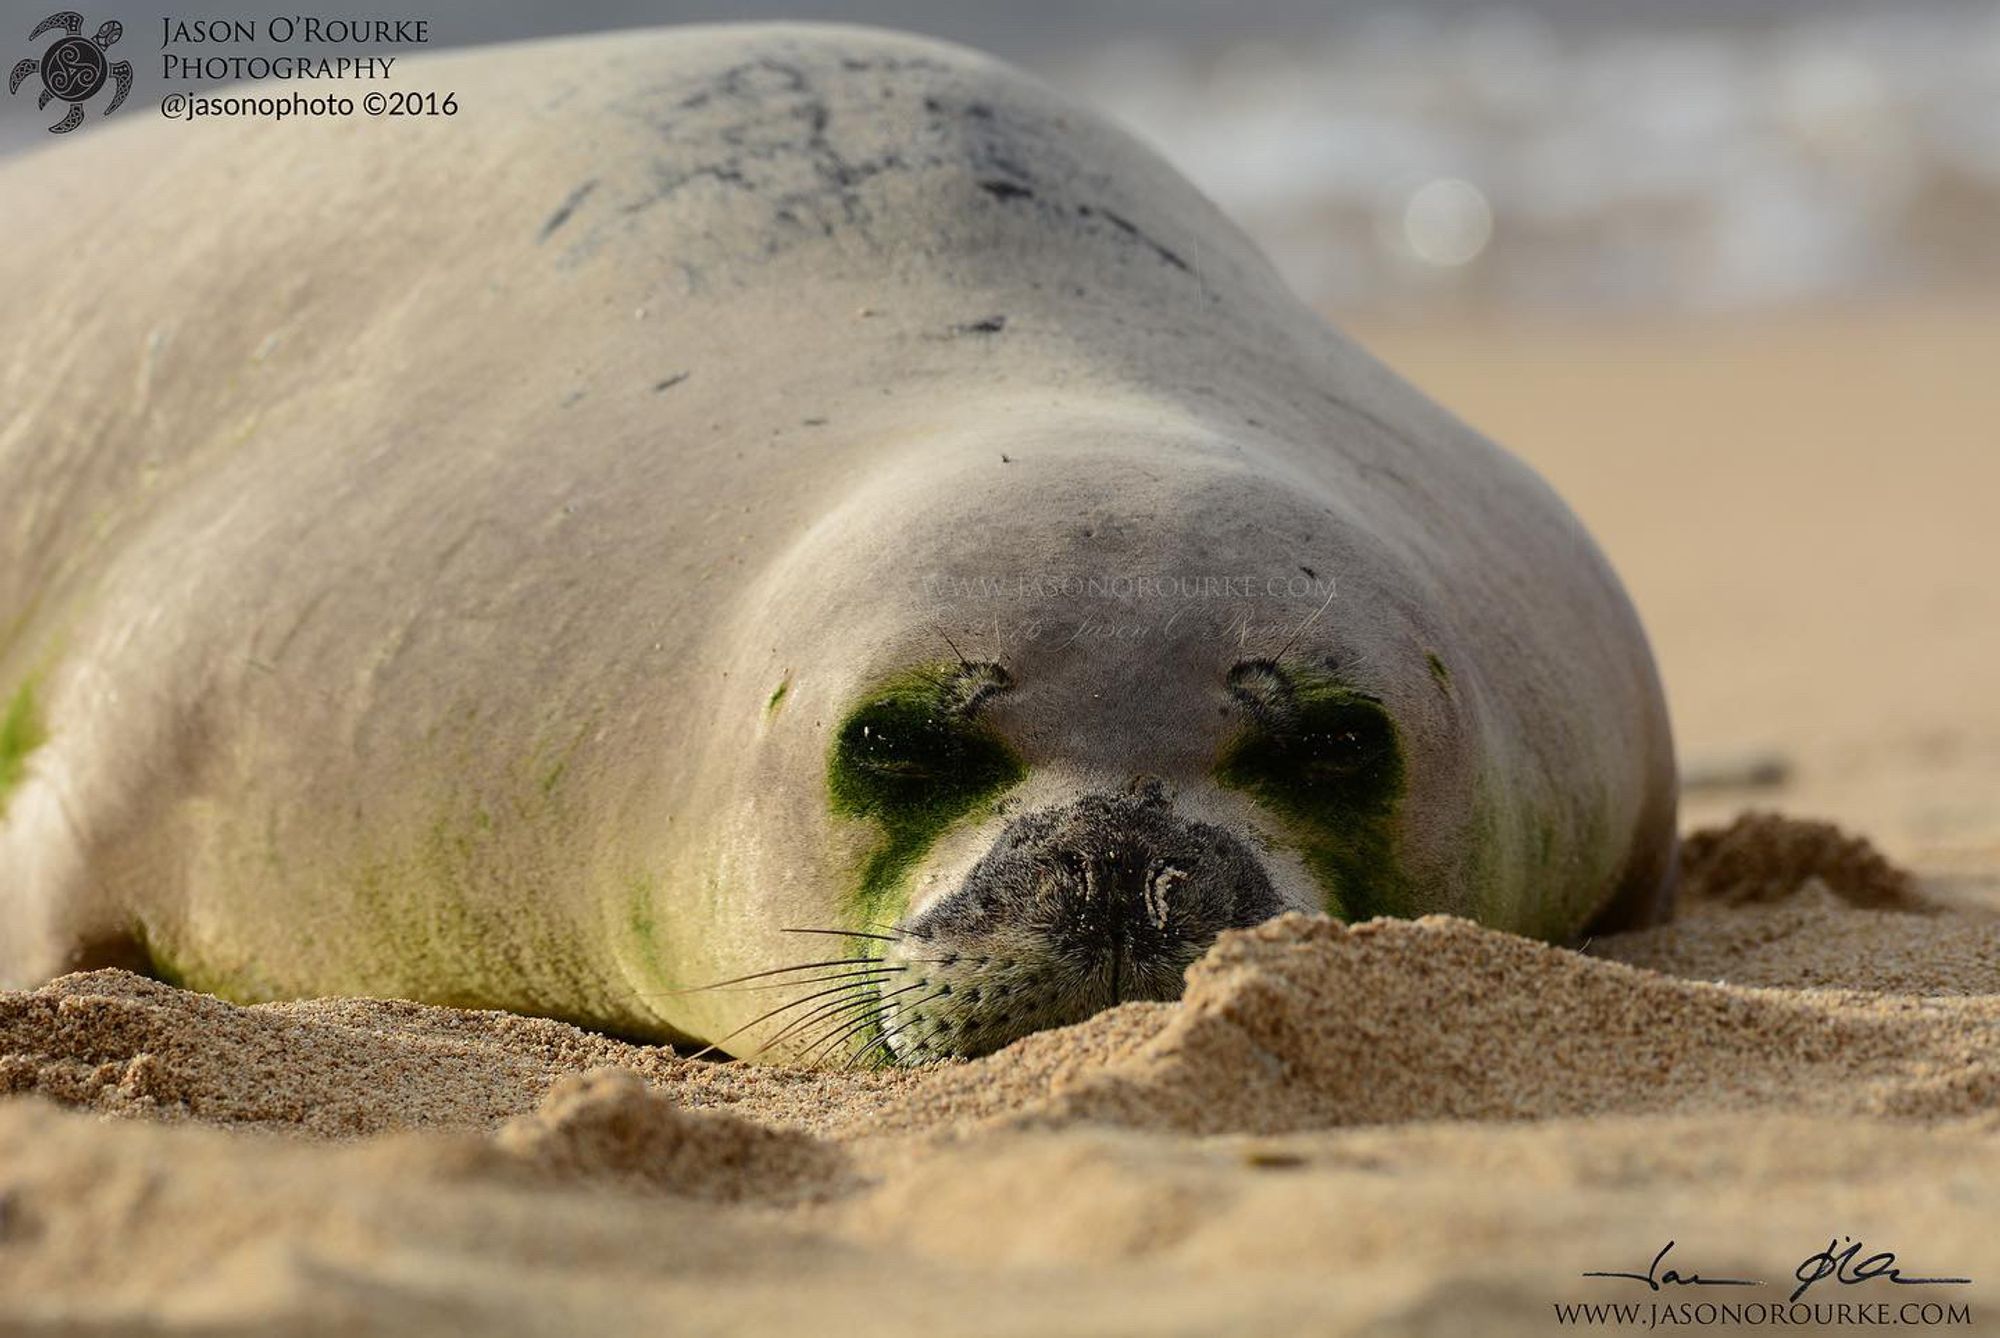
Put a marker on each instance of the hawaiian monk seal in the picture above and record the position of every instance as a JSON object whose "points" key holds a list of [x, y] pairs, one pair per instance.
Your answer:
{"points": [[730, 480]]}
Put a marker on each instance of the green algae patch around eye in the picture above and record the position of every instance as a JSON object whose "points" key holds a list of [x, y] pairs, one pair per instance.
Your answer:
{"points": [[913, 760], [1331, 768], [21, 732], [777, 696]]}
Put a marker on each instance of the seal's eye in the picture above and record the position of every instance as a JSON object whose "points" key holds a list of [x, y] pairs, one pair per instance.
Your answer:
{"points": [[896, 744], [1342, 743], [918, 744], [1320, 740], [1325, 758]]}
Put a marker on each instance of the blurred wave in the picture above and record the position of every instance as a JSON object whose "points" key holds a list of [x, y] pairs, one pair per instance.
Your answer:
{"points": [[1414, 159], [1418, 155]]}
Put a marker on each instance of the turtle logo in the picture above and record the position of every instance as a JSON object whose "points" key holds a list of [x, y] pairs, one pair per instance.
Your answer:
{"points": [[74, 70]]}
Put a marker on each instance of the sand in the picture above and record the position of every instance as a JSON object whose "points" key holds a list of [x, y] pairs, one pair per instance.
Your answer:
{"points": [[1397, 1126], [1420, 1127]]}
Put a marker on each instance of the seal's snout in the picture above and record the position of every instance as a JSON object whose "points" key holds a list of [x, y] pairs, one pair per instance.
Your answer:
{"points": [[1128, 896], [1120, 893], [1073, 909]]}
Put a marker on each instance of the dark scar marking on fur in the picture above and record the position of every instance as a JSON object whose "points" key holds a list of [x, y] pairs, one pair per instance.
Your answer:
{"points": [[669, 382], [737, 80], [780, 126], [984, 326], [666, 182], [1135, 232], [566, 208], [992, 157], [773, 118], [891, 63]]}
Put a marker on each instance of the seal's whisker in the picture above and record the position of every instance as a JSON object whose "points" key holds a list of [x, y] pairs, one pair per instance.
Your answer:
{"points": [[847, 1003], [956, 653], [842, 988], [760, 975], [893, 1032], [803, 1046], [845, 933], [859, 974], [875, 965], [825, 1013], [829, 1017], [833, 1029], [873, 1019], [829, 1043], [937, 1029], [873, 1015], [931, 679], [881, 1038], [898, 929]]}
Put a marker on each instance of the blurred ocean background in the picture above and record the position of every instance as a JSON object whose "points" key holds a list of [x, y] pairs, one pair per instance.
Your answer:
{"points": [[1515, 158], [1430, 159]]}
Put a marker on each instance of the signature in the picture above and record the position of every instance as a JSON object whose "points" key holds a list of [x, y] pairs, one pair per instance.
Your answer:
{"points": [[1840, 1264], [1655, 1279]]}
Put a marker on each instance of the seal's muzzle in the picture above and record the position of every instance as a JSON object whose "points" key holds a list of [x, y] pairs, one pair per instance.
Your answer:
{"points": [[1074, 909]]}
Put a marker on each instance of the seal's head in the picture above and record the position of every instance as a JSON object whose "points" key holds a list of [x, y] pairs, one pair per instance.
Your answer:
{"points": [[1075, 712], [1098, 888]]}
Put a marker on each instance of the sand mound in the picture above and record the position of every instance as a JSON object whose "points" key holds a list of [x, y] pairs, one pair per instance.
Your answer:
{"points": [[1304, 1023], [606, 1124], [123, 1044], [1298, 1023], [1767, 857]]}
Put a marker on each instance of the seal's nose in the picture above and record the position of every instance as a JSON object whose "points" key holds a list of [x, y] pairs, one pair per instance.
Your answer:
{"points": [[1116, 905], [1125, 890], [1074, 907], [1129, 878]]}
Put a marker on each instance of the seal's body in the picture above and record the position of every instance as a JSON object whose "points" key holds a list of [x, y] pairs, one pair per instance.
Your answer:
{"points": [[738, 479]]}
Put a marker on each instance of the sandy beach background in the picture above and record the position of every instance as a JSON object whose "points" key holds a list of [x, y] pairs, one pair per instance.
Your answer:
{"points": [[1396, 1128]]}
